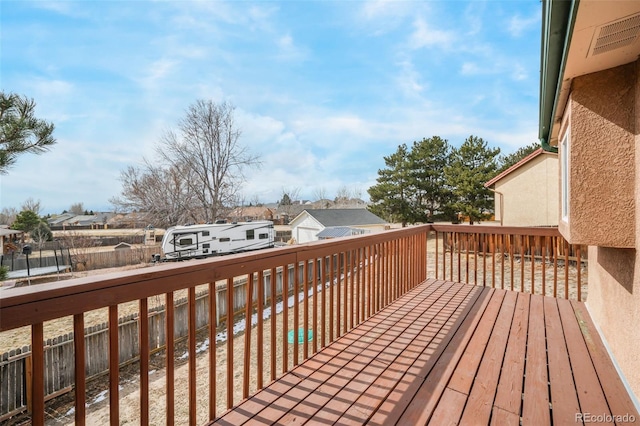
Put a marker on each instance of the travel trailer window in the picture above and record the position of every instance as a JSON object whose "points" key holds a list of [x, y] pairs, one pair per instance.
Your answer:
{"points": [[205, 246], [225, 240], [185, 242], [263, 236], [250, 234], [205, 233]]}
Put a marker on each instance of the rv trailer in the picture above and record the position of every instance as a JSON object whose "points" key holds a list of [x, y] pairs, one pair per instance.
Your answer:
{"points": [[199, 241]]}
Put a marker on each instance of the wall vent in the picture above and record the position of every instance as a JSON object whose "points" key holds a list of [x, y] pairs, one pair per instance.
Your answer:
{"points": [[616, 35]]}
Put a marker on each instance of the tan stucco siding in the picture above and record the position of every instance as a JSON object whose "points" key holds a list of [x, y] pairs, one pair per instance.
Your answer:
{"points": [[530, 194], [601, 155], [614, 273]]}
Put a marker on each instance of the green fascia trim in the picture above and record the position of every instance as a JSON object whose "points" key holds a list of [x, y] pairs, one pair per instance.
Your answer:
{"points": [[558, 19]]}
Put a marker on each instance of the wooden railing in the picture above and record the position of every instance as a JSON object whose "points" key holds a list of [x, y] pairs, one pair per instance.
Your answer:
{"points": [[533, 260], [308, 295]]}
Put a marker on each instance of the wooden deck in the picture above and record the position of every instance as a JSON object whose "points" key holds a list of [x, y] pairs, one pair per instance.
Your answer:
{"points": [[450, 353]]}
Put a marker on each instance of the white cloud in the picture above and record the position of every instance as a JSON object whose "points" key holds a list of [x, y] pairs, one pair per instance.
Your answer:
{"points": [[288, 50], [408, 79], [518, 25], [471, 68], [425, 35]]}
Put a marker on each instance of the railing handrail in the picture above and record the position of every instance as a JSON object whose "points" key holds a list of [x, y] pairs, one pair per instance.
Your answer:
{"points": [[35, 304], [542, 231]]}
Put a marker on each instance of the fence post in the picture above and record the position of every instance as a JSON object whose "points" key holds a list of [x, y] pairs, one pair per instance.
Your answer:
{"points": [[28, 376]]}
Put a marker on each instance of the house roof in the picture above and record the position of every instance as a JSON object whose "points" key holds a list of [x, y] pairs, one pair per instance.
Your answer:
{"points": [[516, 166], [345, 217], [579, 38], [4, 232], [336, 232]]}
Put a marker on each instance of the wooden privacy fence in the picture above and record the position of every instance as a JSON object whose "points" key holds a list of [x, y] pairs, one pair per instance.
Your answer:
{"points": [[343, 282]]}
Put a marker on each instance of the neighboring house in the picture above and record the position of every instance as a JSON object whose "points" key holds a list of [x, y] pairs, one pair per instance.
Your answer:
{"points": [[311, 222], [590, 110], [81, 220], [8, 240], [527, 192], [58, 220], [244, 214], [67, 220]]}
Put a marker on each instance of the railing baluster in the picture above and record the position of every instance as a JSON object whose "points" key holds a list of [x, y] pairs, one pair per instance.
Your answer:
{"points": [[475, 259], [114, 366], [579, 272], [323, 312], [247, 335], [352, 282], [369, 278], [143, 341], [285, 318], [272, 328], [191, 303], [522, 262], [169, 355], [260, 330], [296, 310], [467, 245], [79, 368], [543, 252], [493, 260], [213, 310], [37, 374], [566, 270], [502, 255], [532, 252], [359, 298], [305, 304], [338, 296], [230, 320], [332, 305], [459, 251], [484, 259], [314, 282], [345, 283], [555, 267], [452, 244], [437, 257]]}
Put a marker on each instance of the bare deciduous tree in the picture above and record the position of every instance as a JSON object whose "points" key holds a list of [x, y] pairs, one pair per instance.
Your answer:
{"points": [[207, 142], [8, 215], [162, 193], [79, 246], [200, 173], [32, 205], [77, 208]]}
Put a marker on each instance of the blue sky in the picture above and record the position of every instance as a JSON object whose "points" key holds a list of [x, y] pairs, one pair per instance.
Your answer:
{"points": [[323, 90]]}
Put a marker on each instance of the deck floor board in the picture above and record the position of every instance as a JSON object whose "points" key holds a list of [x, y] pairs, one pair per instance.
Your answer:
{"points": [[449, 353]]}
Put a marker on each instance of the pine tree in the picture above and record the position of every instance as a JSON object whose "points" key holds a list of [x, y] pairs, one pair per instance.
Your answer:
{"points": [[472, 165], [20, 131], [390, 197]]}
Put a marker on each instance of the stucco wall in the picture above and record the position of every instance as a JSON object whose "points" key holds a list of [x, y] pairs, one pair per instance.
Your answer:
{"points": [[530, 193], [602, 159], [614, 273]]}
